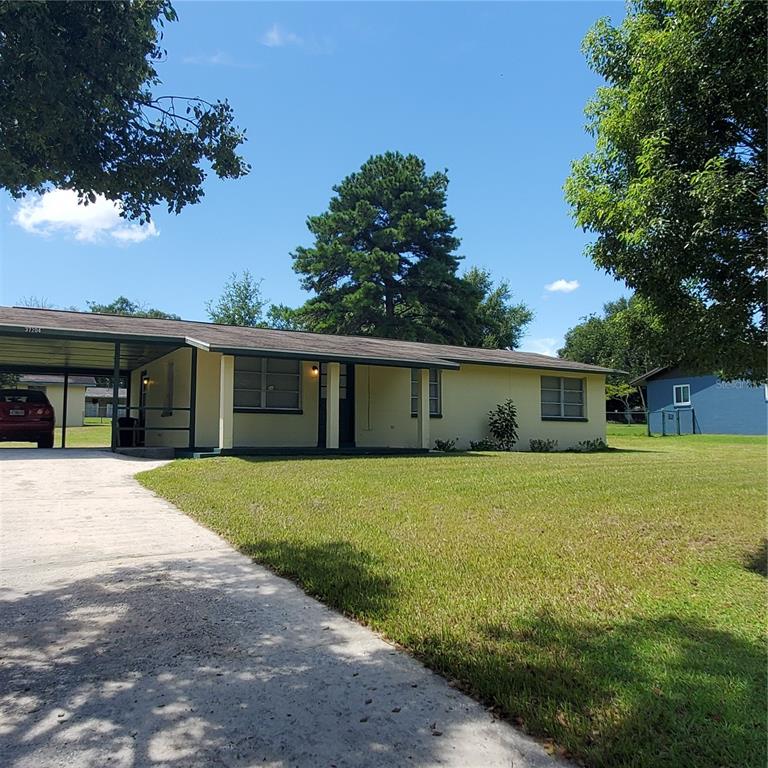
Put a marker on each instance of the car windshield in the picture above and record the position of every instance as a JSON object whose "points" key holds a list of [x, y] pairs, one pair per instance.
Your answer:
{"points": [[22, 396]]}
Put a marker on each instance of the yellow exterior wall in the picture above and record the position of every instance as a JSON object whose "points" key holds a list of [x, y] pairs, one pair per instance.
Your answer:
{"points": [[383, 419], [207, 406], [383, 408], [283, 430], [468, 395], [75, 403], [156, 432]]}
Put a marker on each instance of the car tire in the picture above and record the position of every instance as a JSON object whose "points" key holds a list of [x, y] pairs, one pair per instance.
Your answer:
{"points": [[45, 442]]}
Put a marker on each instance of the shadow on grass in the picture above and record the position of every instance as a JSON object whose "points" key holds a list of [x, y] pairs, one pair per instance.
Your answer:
{"points": [[652, 693], [350, 580], [656, 693], [757, 561]]}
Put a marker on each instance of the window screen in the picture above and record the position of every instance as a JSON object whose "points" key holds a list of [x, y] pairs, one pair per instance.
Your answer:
{"points": [[267, 383], [435, 404], [562, 398]]}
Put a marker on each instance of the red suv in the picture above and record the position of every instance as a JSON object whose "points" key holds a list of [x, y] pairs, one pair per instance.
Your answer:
{"points": [[26, 416]]}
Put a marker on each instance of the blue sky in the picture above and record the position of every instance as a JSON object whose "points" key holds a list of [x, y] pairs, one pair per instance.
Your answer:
{"points": [[492, 92]]}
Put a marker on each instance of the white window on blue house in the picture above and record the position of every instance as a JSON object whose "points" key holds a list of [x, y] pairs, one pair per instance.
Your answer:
{"points": [[562, 398], [267, 384], [435, 399], [681, 394]]}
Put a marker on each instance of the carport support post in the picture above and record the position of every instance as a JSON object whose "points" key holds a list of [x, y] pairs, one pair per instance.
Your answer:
{"points": [[115, 394], [64, 412], [226, 401], [423, 412], [333, 380]]}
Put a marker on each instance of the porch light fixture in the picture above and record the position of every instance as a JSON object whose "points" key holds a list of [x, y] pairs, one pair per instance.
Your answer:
{"points": [[315, 370]]}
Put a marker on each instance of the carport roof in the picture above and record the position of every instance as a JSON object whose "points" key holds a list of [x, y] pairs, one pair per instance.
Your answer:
{"points": [[77, 340]]}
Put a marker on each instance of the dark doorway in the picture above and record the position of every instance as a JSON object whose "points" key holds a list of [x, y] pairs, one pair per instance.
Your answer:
{"points": [[346, 405]]}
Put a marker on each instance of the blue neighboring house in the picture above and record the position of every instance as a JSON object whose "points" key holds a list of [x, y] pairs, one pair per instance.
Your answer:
{"points": [[682, 404]]}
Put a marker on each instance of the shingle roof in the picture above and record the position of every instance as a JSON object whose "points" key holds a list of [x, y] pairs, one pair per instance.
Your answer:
{"points": [[237, 340], [47, 378]]}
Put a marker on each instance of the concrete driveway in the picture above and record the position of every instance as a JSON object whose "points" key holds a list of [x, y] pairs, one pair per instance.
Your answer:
{"points": [[131, 636]]}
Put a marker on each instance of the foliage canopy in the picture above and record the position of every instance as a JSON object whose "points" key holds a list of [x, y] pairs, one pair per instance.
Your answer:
{"points": [[79, 109], [675, 189]]}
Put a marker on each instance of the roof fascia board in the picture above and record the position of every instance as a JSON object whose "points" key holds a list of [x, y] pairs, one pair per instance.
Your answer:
{"points": [[43, 332], [331, 358], [197, 343], [598, 371]]}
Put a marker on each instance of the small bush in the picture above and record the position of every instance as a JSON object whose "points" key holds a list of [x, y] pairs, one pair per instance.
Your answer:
{"points": [[486, 444], [502, 423], [446, 446], [543, 446], [591, 446]]}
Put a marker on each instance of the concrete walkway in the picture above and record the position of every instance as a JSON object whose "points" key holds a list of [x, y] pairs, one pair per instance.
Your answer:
{"points": [[130, 636]]}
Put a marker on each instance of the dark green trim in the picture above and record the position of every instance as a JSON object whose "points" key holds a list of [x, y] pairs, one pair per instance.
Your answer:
{"points": [[532, 366], [287, 411], [64, 412], [564, 418], [54, 333], [60, 370], [431, 415], [302, 452], [115, 396], [309, 357]]}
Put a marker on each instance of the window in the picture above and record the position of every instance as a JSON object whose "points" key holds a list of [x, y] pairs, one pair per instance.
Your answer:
{"points": [[681, 394], [267, 384], [562, 398], [435, 399]]}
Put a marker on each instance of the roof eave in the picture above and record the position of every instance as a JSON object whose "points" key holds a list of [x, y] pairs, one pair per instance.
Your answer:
{"points": [[328, 357]]}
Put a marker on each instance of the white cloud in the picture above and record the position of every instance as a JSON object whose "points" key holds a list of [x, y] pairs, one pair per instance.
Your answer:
{"points": [[220, 58], [277, 37], [59, 211], [542, 346], [562, 286]]}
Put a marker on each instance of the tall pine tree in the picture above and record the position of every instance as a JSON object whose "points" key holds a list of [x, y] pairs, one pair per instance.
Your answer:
{"points": [[384, 259]]}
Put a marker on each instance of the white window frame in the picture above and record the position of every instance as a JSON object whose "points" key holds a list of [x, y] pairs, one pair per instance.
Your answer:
{"points": [[562, 403], [680, 403], [436, 400], [263, 387]]}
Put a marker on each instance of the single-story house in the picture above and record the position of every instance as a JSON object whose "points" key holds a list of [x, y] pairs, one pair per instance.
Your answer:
{"points": [[53, 387], [679, 403], [201, 387], [98, 401]]}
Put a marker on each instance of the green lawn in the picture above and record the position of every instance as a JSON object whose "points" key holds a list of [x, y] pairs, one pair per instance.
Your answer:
{"points": [[612, 603], [89, 436]]}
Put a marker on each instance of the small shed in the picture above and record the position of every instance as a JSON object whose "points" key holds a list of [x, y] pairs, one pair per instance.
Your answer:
{"points": [[680, 403]]}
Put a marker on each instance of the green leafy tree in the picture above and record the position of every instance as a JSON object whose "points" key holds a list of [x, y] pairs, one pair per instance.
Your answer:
{"points": [[284, 318], [675, 189], [123, 306], [240, 303], [627, 335], [80, 110], [500, 324], [383, 262]]}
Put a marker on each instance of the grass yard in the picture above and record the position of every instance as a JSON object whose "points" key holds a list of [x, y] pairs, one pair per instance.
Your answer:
{"points": [[89, 436], [613, 604]]}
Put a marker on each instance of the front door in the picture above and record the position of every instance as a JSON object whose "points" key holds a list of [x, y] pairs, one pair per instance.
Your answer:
{"points": [[346, 405]]}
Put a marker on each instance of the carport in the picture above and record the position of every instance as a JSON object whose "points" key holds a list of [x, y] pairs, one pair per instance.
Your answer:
{"points": [[28, 345]]}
